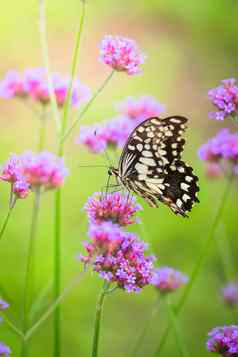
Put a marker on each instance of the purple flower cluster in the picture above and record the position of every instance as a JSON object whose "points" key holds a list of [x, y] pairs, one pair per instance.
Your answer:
{"points": [[33, 84], [113, 207], [3, 305], [118, 256], [225, 99], [4, 350], [224, 340], [115, 132], [121, 54], [167, 279], [221, 150], [230, 294], [31, 171]]}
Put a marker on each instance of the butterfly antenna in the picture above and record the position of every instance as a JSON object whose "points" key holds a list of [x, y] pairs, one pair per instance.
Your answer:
{"points": [[106, 154], [93, 166]]}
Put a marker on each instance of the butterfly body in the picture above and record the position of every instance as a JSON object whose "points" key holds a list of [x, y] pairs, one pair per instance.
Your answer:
{"points": [[151, 165]]}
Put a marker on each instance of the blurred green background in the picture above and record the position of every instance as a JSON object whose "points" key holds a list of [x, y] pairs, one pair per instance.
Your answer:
{"points": [[191, 46]]}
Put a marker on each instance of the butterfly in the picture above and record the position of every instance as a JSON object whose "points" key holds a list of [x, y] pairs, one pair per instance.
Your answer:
{"points": [[150, 165]]}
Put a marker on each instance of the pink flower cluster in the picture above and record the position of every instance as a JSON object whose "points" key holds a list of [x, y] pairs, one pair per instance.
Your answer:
{"points": [[31, 171], [4, 350], [121, 54], [230, 294], [118, 256], [225, 99], [140, 109], [221, 150], [224, 341], [113, 207], [115, 132], [3, 305], [33, 84], [167, 279]]}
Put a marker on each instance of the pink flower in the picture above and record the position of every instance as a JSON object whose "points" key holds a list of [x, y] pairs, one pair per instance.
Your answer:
{"points": [[91, 137], [21, 189], [221, 149], [230, 293], [225, 99], [121, 54], [118, 257], [31, 170], [12, 86], [140, 109], [167, 279], [113, 207], [44, 169], [33, 84]]}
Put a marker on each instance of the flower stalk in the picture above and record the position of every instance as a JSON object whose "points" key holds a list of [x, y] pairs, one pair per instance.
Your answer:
{"points": [[58, 195], [87, 106], [98, 318], [177, 331], [5, 223], [200, 262], [29, 278]]}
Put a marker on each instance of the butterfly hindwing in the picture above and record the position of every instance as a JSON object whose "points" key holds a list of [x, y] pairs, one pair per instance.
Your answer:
{"points": [[180, 187]]}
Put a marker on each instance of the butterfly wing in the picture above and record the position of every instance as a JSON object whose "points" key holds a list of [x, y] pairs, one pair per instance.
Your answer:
{"points": [[151, 165]]}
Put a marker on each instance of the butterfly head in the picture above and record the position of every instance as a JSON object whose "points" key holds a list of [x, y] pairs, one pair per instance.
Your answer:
{"points": [[113, 171]]}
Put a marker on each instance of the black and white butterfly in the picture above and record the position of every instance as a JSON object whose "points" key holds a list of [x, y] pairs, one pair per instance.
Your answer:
{"points": [[151, 166]]}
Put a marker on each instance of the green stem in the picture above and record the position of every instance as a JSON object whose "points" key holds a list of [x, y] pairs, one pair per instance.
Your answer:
{"points": [[29, 278], [97, 324], [57, 272], [145, 329], [87, 106], [73, 70], [45, 54], [177, 331], [42, 134], [201, 259], [40, 302], [12, 325], [58, 201], [226, 257], [53, 306], [42, 129], [4, 226]]}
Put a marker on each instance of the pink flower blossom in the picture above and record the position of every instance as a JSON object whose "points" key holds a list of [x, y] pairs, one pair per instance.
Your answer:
{"points": [[44, 169], [33, 84], [13, 86], [230, 293], [224, 340], [225, 99], [167, 279], [121, 54], [113, 207], [112, 134], [119, 257], [140, 109], [31, 170], [90, 136], [221, 150], [21, 188]]}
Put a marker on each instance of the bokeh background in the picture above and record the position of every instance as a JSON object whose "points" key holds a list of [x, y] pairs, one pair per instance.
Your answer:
{"points": [[191, 46]]}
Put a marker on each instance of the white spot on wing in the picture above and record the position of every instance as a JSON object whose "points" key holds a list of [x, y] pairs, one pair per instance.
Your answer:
{"points": [[184, 186], [147, 161]]}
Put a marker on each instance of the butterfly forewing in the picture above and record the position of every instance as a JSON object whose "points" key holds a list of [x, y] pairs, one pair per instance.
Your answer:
{"points": [[151, 166]]}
